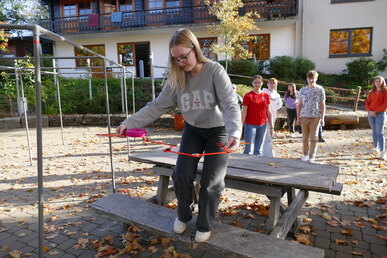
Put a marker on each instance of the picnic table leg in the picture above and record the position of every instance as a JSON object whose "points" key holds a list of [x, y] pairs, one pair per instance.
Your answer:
{"points": [[274, 213], [162, 190], [283, 226], [291, 193]]}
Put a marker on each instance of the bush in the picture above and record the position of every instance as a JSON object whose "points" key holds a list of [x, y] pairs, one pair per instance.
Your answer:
{"points": [[287, 68], [241, 67], [282, 67], [302, 67], [361, 71]]}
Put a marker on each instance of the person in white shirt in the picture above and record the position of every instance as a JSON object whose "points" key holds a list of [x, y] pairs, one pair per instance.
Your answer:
{"points": [[275, 105]]}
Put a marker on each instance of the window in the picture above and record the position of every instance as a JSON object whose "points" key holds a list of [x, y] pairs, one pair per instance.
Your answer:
{"points": [[206, 46], [161, 4], [100, 49], [350, 42], [112, 6], [84, 8], [109, 6], [126, 53], [126, 5], [259, 47], [155, 4], [72, 8], [69, 10]]}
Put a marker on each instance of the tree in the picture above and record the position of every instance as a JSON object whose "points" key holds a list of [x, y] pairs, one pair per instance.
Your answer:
{"points": [[233, 29], [22, 12]]}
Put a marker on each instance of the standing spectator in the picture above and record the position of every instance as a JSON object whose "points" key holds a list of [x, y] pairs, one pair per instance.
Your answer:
{"points": [[202, 90], [376, 105], [239, 97], [310, 114], [290, 99], [275, 104], [256, 116], [320, 134]]}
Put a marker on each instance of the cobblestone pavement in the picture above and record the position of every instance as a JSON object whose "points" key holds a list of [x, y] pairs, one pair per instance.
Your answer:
{"points": [[78, 172]]}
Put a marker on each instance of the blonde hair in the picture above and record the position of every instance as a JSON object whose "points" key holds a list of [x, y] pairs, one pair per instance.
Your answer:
{"points": [[274, 81], [312, 74], [383, 87], [183, 38]]}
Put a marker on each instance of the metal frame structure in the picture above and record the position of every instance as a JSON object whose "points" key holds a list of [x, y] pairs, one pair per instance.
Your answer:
{"points": [[38, 71]]}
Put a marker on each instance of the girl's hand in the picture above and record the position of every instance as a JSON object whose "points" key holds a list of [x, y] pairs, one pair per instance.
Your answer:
{"points": [[120, 130], [271, 132], [232, 144]]}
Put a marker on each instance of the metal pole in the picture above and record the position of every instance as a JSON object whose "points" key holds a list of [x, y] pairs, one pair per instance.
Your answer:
{"points": [[108, 124], [56, 82], [39, 137], [25, 118]]}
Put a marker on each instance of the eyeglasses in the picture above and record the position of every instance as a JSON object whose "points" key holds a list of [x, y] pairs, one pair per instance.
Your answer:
{"points": [[182, 58]]}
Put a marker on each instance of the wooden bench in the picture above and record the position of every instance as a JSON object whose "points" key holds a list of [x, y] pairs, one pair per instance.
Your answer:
{"points": [[228, 241], [273, 177]]}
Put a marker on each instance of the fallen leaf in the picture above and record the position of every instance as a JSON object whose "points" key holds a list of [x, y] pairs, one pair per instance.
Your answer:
{"points": [[303, 239], [347, 232], [341, 242], [382, 237], [52, 236], [15, 254]]}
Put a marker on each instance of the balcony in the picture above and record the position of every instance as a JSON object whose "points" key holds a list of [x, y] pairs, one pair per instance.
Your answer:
{"points": [[285, 9]]}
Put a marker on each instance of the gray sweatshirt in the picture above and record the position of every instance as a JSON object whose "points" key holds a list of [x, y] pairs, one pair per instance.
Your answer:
{"points": [[207, 101]]}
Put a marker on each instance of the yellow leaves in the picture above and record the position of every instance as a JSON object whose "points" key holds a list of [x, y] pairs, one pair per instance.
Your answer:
{"points": [[303, 239], [383, 237], [52, 236], [15, 254], [341, 242], [347, 232]]}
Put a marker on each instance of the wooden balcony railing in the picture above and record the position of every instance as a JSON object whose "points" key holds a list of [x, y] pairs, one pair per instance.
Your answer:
{"points": [[163, 17]]}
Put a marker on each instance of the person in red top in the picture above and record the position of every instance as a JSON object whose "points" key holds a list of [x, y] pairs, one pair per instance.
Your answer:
{"points": [[376, 105], [256, 116]]}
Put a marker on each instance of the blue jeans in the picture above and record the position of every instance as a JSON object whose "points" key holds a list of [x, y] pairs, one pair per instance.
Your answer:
{"points": [[377, 126], [254, 135]]}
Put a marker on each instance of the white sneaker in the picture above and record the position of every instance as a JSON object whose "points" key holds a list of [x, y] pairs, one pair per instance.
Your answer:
{"points": [[179, 227], [375, 150], [304, 158], [382, 155], [202, 236], [311, 160], [292, 135]]}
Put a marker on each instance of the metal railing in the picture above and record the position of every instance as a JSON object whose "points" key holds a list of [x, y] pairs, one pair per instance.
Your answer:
{"points": [[162, 17]]}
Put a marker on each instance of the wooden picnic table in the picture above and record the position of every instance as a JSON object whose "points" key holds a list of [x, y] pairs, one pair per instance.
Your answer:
{"points": [[272, 177]]}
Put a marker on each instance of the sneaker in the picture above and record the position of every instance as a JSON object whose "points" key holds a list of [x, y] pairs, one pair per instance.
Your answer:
{"points": [[321, 139], [375, 150], [304, 158], [292, 135], [202, 236], [382, 155], [179, 227], [311, 160]]}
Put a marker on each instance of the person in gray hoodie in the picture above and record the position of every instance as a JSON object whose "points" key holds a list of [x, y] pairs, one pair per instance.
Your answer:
{"points": [[203, 92]]}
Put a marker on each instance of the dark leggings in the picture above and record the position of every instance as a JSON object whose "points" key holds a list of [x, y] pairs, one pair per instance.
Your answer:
{"points": [[292, 116], [199, 140]]}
